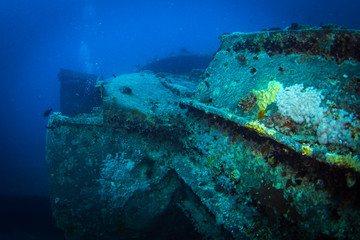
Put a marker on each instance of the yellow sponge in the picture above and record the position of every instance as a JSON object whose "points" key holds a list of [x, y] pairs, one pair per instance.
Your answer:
{"points": [[267, 96]]}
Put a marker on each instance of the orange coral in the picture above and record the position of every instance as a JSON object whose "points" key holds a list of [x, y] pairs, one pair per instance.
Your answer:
{"points": [[261, 114]]}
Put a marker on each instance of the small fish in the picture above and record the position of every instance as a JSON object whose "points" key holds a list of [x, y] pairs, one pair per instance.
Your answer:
{"points": [[47, 112]]}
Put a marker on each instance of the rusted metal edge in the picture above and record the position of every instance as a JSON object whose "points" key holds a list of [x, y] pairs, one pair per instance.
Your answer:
{"points": [[319, 153], [57, 119], [336, 44]]}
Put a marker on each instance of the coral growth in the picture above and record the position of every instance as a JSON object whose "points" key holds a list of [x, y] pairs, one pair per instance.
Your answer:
{"points": [[260, 128], [330, 43], [267, 96], [332, 126], [339, 127], [247, 103], [301, 106], [306, 150], [241, 58], [261, 114], [281, 123], [348, 161]]}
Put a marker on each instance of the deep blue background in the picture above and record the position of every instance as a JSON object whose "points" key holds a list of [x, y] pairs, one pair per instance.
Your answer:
{"points": [[110, 37]]}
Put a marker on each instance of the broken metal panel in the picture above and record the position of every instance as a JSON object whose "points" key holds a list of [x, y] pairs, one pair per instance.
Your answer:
{"points": [[239, 79], [235, 71], [148, 156], [258, 187]]}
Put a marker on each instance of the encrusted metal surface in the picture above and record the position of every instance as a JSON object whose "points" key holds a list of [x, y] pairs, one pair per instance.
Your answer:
{"points": [[162, 160]]}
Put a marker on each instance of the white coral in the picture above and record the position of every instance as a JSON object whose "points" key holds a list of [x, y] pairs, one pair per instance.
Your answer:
{"points": [[304, 106], [337, 128], [301, 105]]}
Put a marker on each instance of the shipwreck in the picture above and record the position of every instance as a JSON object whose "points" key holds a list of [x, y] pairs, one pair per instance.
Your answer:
{"points": [[264, 144]]}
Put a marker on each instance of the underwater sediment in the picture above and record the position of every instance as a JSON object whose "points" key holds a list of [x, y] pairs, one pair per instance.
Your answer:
{"points": [[264, 145]]}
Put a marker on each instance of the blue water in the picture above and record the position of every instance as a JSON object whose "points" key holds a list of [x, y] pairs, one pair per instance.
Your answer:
{"points": [[39, 37]]}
